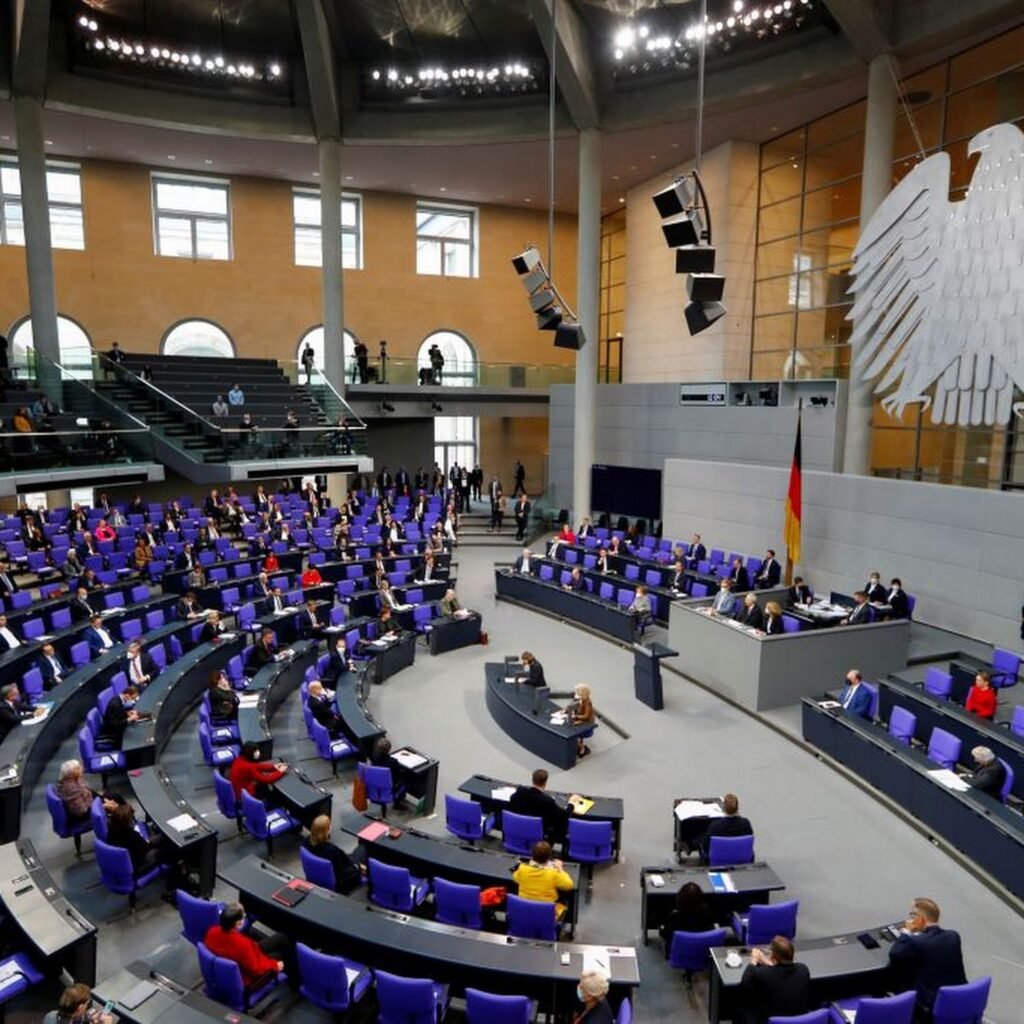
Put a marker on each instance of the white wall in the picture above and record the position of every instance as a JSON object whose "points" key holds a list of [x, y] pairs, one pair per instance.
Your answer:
{"points": [[959, 550]]}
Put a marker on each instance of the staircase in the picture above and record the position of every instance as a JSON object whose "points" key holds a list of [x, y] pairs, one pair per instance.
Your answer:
{"points": [[474, 529]]}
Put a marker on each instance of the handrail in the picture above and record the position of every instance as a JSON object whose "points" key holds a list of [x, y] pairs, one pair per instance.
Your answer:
{"points": [[323, 381]]}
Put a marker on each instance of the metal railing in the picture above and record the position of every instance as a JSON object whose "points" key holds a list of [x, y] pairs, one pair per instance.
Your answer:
{"points": [[323, 392], [410, 373]]}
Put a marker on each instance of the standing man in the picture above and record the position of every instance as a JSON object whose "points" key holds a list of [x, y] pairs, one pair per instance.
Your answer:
{"points": [[522, 514], [383, 361], [925, 956], [520, 479]]}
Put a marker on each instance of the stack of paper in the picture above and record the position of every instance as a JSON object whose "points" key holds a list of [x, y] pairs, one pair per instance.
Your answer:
{"points": [[249, 700], [183, 822], [697, 809], [409, 759], [503, 793], [949, 779]]}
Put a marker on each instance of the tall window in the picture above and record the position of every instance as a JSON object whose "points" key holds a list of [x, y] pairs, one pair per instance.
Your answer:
{"points": [[75, 348], [192, 217], [315, 337], [64, 192], [198, 338], [306, 212], [455, 441], [460, 369], [446, 240]]}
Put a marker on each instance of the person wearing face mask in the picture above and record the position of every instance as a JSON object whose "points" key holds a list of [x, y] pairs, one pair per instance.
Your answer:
{"points": [[592, 993], [338, 664], [875, 590]]}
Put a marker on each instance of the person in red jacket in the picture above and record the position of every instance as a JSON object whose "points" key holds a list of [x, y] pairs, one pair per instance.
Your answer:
{"points": [[981, 698], [254, 776], [256, 959], [311, 577]]}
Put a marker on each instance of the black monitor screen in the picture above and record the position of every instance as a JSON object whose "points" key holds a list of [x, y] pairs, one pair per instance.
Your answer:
{"points": [[626, 491]]}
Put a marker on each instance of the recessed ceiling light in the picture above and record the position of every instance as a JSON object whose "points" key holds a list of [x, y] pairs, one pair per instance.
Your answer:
{"points": [[207, 161], [5, 138], [316, 174], [527, 200], [675, 145], [443, 189], [622, 199], [654, 156], [171, 156], [632, 167], [49, 142], [615, 177], [349, 177]]}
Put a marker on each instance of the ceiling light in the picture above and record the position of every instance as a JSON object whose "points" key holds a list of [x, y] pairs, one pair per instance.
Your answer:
{"points": [[171, 156], [376, 76], [99, 45], [275, 70], [737, 6], [625, 37], [642, 31], [165, 54], [83, 21]]}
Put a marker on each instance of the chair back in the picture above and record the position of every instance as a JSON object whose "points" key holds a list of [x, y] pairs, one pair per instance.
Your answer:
{"points": [[155, 619], [938, 683], [33, 628], [902, 724], [791, 624], [254, 815], [323, 979], [197, 915], [944, 748], [724, 851], [1005, 667], [546, 572], [225, 793], [32, 685], [98, 817], [1007, 787], [379, 786], [689, 950], [872, 688], [222, 979], [115, 866], [590, 841], [961, 1004], [390, 886], [488, 1008], [318, 870], [699, 590], [769, 920], [531, 919], [887, 1010], [406, 1000], [520, 832], [58, 812], [463, 818], [606, 591], [114, 600], [458, 904], [625, 1014]]}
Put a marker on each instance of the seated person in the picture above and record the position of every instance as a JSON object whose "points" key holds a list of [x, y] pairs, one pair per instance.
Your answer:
{"points": [[451, 606], [581, 712], [146, 854], [524, 563], [264, 652], [223, 699], [8, 638], [387, 624], [535, 802], [52, 667], [678, 577], [339, 662], [75, 1007], [80, 608], [897, 600], [119, 715], [252, 775], [311, 577], [74, 794], [142, 669], [255, 958], [773, 618], [800, 592], [534, 675], [773, 985], [732, 823], [750, 613], [321, 706], [725, 599], [691, 913], [604, 563], [347, 875], [989, 775], [641, 604], [861, 610], [575, 583], [213, 628], [541, 878], [189, 606], [13, 710], [981, 698], [876, 592], [739, 576], [855, 697], [310, 626], [770, 572]]}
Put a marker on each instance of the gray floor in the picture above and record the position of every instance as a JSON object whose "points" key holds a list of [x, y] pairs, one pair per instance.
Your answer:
{"points": [[851, 863]]}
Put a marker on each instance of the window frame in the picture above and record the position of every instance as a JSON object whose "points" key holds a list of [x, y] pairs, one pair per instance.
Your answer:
{"points": [[192, 320], [473, 241], [312, 192], [63, 166], [165, 177]]}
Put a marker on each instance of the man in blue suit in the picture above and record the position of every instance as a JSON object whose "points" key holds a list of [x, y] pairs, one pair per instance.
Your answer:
{"points": [[97, 637], [855, 696], [51, 667], [925, 957]]}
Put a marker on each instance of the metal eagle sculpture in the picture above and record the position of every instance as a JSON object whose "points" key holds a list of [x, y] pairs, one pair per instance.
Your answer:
{"points": [[939, 288]]}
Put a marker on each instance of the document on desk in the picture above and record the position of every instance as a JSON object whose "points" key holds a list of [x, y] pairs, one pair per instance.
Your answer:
{"points": [[503, 793], [38, 719], [372, 832], [721, 881], [697, 809], [597, 959], [944, 777], [408, 758], [249, 700], [378, 643], [559, 718], [182, 822]]}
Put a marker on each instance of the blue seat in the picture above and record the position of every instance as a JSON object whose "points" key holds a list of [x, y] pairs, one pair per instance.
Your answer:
{"points": [[318, 870], [98, 762], [19, 974], [870, 1010], [962, 1004], [531, 919], [902, 725], [215, 756], [227, 802], [760, 924], [117, 874], [266, 824], [938, 683], [410, 1000], [380, 788], [814, 1017], [330, 750], [590, 843], [458, 904], [699, 590], [625, 1014], [520, 831], [395, 888], [59, 817], [488, 1008], [197, 915], [944, 748], [1005, 668], [222, 981], [689, 951], [724, 851], [331, 983], [791, 624], [466, 819]]}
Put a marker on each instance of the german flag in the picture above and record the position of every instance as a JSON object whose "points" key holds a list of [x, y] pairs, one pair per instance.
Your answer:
{"points": [[794, 503]]}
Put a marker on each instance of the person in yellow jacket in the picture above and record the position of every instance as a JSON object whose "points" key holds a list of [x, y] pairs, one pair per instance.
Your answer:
{"points": [[542, 878]]}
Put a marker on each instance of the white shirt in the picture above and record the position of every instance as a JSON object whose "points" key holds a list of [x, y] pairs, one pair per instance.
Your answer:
{"points": [[58, 670], [105, 637], [12, 640], [525, 568], [136, 672]]}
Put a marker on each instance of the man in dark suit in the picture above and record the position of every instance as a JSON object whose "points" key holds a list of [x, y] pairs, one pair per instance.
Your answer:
{"points": [[524, 563], [861, 610], [186, 558], [189, 606], [521, 510], [925, 957], [53, 670], [13, 710], [534, 675], [897, 600], [274, 604], [770, 572], [213, 628], [7, 583], [585, 530], [604, 562], [310, 627], [800, 592], [739, 576], [97, 636], [989, 775], [321, 706], [87, 548], [534, 801], [576, 582], [263, 653], [678, 577], [8, 638], [732, 823], [402, 481], [139, 666], [81, 610], [697, 551], [773, 985], [262, 589], [119, 715], [750, 613], [855, 696]]}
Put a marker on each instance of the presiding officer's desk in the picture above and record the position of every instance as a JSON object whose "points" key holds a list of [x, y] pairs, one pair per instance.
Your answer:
{"points": [[972, 731], [761, 672], [525, 715], [976, 824], [840, 966], [56, 935], [142, 996], [431, 857], [751, 884], [481, 788], [589, 611], [415, 947]]}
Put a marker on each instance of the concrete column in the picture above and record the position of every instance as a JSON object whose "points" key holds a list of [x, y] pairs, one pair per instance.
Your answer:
{"points": [[879, 131], [588, 293], [332, 280], [35, 206]]}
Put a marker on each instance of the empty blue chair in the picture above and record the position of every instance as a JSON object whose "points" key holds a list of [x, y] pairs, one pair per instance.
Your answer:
{"points": [[1007, 788], [872, 688], [546, 573], [760, 924], [961, 1004], [531, 919], [19, 973], [410, 1000], [791, 624], [117, 874], [380, 788], [690, 951], [330, 750], [870, 1010], [114, 600], [590, 843], [458, 904], [902, 724], [944, 748], [227, 803], [266, 824], [61, 825], [98, 762], [155, 619], [938, 683], [625, 1014], [724, 851], [700, 590], [331, 982], [632, 572], [488, 1008], [130, 629], [80, 654], [222, 981], [197, 915], [395, 888], [520, 831], [421, 619], [318, 870], [215, 756], [1005, 668], [466, 819], [32, 629], [32, 685], [139, 593], [814, 1017], [60, 619]]}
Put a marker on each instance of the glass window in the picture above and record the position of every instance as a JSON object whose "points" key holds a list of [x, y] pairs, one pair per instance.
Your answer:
{"points": [[306, 214], [64, 193], [459, 368], [455, 441], [446, 240], [192, 217], [74, 346], [779, 220], [198, 338], [315, 337], [786, 148]]}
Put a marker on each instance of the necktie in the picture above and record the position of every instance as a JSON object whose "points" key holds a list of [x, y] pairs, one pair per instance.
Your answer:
{"points": [[137, 669]]}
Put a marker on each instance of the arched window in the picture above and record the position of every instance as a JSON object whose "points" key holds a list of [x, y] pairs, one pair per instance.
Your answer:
{"points": [[459, 370], [315, 337], [75, 347], [198, 338]]}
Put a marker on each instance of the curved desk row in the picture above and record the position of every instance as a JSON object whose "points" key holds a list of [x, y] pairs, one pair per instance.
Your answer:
{"points": [[459, 957], [176, 580], [976, 824]]}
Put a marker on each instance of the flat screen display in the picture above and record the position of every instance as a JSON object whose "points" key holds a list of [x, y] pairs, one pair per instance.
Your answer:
{"points": [[626, 491]]}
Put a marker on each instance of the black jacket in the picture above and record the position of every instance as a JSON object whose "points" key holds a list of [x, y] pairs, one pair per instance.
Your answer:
{"points": [[776, 990], [223, 703], [925, 961], [11, 716], [535, 674], [115, 722], [81, 611], [530, 800], [729, 825], [346, 871], [989, 779], [752, 616]]}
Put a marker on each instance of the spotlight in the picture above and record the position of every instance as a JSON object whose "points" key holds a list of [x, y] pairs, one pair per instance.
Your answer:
{"points": [[695, 259], [386, 406], [684, 230], [701, 315], [676, 199], [705, 287]]}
